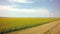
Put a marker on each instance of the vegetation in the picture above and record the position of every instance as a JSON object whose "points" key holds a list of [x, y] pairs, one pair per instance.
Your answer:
{"points": [[17, 23]]}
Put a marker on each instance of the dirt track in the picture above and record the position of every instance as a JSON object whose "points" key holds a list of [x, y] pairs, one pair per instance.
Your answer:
{"points": [[50, 28]]}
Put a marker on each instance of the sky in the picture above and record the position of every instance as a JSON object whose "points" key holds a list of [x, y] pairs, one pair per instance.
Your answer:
{"points": [[29, 8]]}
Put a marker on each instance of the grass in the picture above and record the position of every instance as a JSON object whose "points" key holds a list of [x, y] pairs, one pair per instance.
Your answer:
{"points": [[12, 23]]}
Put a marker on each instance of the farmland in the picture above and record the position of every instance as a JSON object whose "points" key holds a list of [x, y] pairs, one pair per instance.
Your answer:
{"points": [[13, 23]]}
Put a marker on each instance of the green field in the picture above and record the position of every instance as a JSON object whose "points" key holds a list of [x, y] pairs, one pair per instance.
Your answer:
{"points": [[13, 23]]}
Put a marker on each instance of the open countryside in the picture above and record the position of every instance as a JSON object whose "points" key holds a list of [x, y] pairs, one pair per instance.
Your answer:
{"points": [[15, 24], [50, 28]]}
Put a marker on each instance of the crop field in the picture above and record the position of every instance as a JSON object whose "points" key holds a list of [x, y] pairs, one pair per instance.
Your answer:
{"points": [[17, 23]]}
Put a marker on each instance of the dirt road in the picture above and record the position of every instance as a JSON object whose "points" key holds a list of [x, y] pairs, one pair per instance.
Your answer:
{"points": [[50, 28]]}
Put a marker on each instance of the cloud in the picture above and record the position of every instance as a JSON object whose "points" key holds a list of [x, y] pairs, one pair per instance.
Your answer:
{"points": [[9, 11], [4, 2], [21, 1]]}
